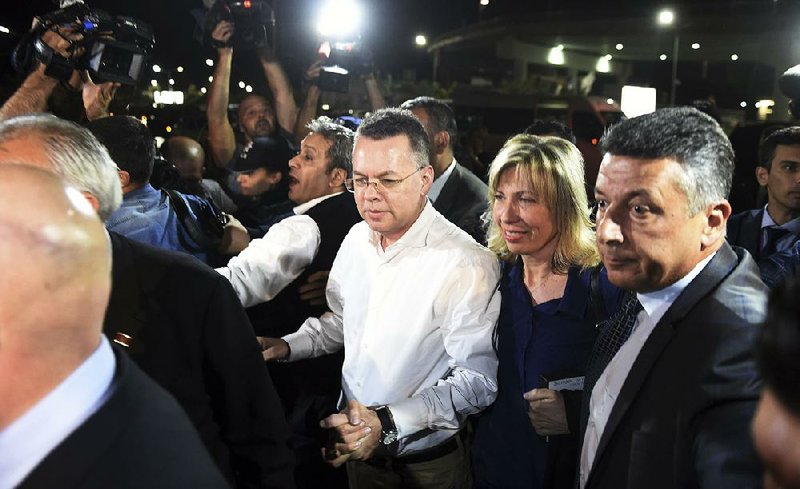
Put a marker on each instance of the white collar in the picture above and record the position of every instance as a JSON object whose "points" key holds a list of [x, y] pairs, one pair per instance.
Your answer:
{"points": [[303, 208], [28, 440], [657, 302], [438, 184]]}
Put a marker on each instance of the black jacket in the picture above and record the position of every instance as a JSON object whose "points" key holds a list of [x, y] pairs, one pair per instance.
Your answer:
{"points": [[139, 438], [190, 333], [682, 418]]}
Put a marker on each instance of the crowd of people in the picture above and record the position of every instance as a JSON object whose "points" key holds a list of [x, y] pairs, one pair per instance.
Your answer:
{"points": [[353, 307]]}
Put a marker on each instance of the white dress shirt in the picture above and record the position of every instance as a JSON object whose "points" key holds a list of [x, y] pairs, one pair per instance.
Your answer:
{"points": [[438, 184], [416, 323], [28, 440], [269, 264], [609, 384]]}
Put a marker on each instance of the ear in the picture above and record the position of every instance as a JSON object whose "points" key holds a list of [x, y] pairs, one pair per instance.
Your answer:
{"points": [[441, 140], [716, 218], [124, 178], [336, 178], [274, 177], [92, 200], [762, 175], [427, 179]]}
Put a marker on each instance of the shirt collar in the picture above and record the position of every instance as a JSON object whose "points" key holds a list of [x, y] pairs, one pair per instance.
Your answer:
{"points": [[656, 303], [415, 237], [303, 208], [438, 184], [792, 226], [53, 418], [145, 190]]}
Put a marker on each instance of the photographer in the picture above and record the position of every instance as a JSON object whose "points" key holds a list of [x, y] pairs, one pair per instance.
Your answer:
{"points": [[257, 117], [309, 109], [33, 94]]}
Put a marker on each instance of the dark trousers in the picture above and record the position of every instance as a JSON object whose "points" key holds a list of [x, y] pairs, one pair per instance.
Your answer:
{"points": [[450, 471]]}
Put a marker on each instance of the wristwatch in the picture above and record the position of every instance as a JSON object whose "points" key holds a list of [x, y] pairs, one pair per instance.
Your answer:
{"points": [[388, 428]]}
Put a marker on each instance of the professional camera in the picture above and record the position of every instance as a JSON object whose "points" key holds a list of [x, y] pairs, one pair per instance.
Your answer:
{"points": [[251, 20], [340, 60], [112, 49], [164, 174]]}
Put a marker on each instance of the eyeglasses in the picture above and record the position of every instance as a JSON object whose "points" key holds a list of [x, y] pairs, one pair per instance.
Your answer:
{"points": [[360, 184]]}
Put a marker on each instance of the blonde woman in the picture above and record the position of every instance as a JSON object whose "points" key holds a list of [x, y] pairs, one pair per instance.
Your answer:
{"points": [[553, 295]]}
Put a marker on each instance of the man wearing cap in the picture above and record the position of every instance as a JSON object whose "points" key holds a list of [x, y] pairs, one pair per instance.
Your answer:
{"points": [[271, 273], [261, 171]]}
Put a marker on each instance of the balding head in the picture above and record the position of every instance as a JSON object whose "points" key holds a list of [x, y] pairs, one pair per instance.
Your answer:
{"points": [[187, 155], [55, 258]]}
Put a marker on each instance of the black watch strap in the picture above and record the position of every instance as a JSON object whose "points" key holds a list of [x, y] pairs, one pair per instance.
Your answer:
{"points": [[388, 428]]}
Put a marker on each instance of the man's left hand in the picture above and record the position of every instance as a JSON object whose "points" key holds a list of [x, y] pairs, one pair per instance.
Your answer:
{"points": [[358, 432], [547, 412]]}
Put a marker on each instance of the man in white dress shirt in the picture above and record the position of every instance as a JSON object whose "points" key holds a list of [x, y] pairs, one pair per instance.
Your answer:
{"points": [[414, 302], [673, 399]]}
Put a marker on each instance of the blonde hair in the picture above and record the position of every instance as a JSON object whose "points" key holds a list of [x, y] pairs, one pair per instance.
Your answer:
{"points": [[555, 169]]}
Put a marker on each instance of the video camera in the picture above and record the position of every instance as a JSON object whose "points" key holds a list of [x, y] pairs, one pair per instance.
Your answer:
{"points": [[251, 19], [342, 59], [115, 49]]}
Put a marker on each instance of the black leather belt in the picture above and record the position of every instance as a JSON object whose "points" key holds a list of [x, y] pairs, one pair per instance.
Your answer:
{"points": [[440, 450]]}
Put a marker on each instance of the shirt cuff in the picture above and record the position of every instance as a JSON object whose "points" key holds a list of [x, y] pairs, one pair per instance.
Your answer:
{"points": [[409, 416], [300, 346]]}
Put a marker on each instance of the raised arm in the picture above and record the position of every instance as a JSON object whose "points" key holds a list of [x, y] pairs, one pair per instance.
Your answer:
{"points": [[309, 109], [285, 106], [221, 139]]}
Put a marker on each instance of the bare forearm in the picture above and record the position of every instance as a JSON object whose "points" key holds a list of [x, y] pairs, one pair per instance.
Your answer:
{"points": [[285, 106], [307, 112], [376, 100], [220, 133], [31, 96]]}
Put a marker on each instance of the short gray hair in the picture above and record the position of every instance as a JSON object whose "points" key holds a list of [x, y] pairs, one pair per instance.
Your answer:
{"points": [[391, 122], [74, 153], [686, 135], [340, 154]]}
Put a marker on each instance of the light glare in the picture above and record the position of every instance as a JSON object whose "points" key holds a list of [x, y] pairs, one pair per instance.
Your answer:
{"points": [[339, 19], [666, 17]]}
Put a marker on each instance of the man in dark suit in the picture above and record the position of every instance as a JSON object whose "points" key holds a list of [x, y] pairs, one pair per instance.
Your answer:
{"points": [[456, 193], [74, 413], [178, 319], [672, 384], [775, 227]]}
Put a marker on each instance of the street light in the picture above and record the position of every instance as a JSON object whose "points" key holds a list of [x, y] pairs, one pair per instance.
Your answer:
{"points": [[666, 17], [420, 40]]}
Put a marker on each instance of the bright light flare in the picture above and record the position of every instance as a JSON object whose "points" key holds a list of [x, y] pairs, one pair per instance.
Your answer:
{"points": [[556, 55], [420, 40], [666, 17], [339, 19]]}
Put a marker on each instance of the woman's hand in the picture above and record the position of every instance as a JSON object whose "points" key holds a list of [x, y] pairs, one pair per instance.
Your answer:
{"points": [[547, 412]]}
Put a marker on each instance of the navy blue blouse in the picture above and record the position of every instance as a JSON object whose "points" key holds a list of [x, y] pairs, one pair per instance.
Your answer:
{"points": [[535, 344]]}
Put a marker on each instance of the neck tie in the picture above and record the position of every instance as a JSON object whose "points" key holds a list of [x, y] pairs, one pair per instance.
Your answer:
{"points": [[613, 334], [774, 234]]}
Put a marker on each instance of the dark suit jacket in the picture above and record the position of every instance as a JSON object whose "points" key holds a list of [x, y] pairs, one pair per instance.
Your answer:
{"points": [[682, 418], [744, 230], [463, 200], [191, 335], [139, 438]]}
